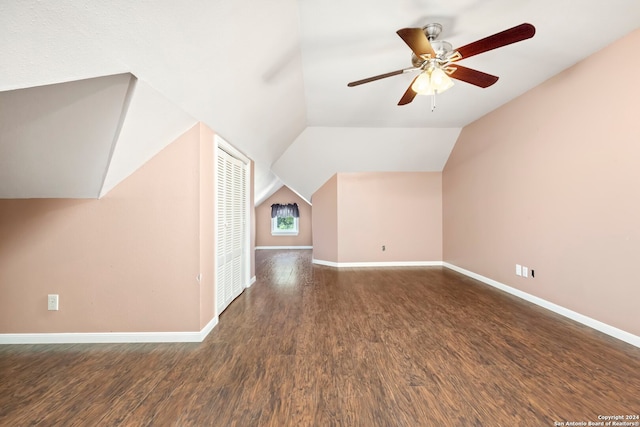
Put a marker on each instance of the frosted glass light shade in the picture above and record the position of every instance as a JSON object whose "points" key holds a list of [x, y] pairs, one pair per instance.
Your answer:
{"points": [[422, 85], [440, 81], [431, 81]]}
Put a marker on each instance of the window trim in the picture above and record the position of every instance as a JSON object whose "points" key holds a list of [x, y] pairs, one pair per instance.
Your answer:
{"points": [[276, 232]]}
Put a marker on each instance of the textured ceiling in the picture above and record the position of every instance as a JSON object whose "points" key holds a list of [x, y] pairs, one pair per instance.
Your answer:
{"points": [[270, 77]]}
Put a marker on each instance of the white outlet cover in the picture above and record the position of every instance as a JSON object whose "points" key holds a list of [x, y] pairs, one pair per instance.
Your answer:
{"points": [[525, 271], [52, 302], [518, 270]]}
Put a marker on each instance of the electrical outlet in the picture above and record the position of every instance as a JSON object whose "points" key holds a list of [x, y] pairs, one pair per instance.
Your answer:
{"points": [[525, 271], [518, 270], [52, 302]]}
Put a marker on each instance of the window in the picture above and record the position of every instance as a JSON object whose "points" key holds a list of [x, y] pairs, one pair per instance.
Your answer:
{"points": [[284, 225], [284, 220]]}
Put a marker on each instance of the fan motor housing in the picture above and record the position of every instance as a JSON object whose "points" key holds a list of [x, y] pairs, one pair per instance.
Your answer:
{"points": [[432, 31]]}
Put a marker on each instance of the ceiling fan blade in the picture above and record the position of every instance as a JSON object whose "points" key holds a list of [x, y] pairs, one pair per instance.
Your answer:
{"points": [[503, 38], [409, 94], [417, 41], [380, 76], [474, 77]]}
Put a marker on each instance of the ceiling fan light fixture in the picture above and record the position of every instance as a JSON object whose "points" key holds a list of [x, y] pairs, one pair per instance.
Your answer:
{"points": [[432, 81], [436, 60]]}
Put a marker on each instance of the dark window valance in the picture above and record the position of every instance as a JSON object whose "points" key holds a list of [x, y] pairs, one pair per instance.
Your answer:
{"points": [[290, 209]]}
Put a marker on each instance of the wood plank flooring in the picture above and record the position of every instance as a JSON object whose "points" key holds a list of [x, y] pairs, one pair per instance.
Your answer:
{"points": [[313, 346]]}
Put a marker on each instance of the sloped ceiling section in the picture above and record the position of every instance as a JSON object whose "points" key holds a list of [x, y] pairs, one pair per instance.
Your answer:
{"points": [[320, 152], [80, 139], [56, 140], [152, 122]]}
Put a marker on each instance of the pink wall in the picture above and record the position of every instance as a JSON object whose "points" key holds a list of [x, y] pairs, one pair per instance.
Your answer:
{"points": [[401, 210], [550, 181], [263, 220], [206, 216], [355, 214], [325, 221], [125, 263]]}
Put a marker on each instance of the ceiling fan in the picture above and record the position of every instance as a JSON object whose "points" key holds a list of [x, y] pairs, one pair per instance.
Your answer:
{"points": [[437, 61]]}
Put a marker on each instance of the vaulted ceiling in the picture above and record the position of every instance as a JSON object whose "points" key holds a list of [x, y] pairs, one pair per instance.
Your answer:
{"points": [[89, 91]]}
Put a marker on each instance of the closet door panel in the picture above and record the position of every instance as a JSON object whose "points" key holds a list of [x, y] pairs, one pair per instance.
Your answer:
{"points": [[231, 226]]}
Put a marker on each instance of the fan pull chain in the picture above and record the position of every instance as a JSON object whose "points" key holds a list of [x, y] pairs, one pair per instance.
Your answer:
{"points": [[433, 101]]}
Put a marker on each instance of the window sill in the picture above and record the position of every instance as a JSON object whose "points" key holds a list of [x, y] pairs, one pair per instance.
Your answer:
{"points": [[284, 233]]}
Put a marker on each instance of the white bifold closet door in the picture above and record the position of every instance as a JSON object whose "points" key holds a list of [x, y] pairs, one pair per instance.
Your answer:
{"points": [[231, 229]]}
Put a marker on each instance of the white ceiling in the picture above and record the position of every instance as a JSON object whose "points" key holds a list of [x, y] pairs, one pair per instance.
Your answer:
{"points": [[270, 77]]}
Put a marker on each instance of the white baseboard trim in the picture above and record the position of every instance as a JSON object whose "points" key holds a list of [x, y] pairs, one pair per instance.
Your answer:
{"points": [[322, 262], [580, 318], [251, 281], [207, 328], [378, 264], [109, 337], [284, 247]]}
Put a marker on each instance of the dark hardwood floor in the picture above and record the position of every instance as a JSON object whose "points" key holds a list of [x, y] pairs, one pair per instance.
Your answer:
{"points": [[313, 346]]}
